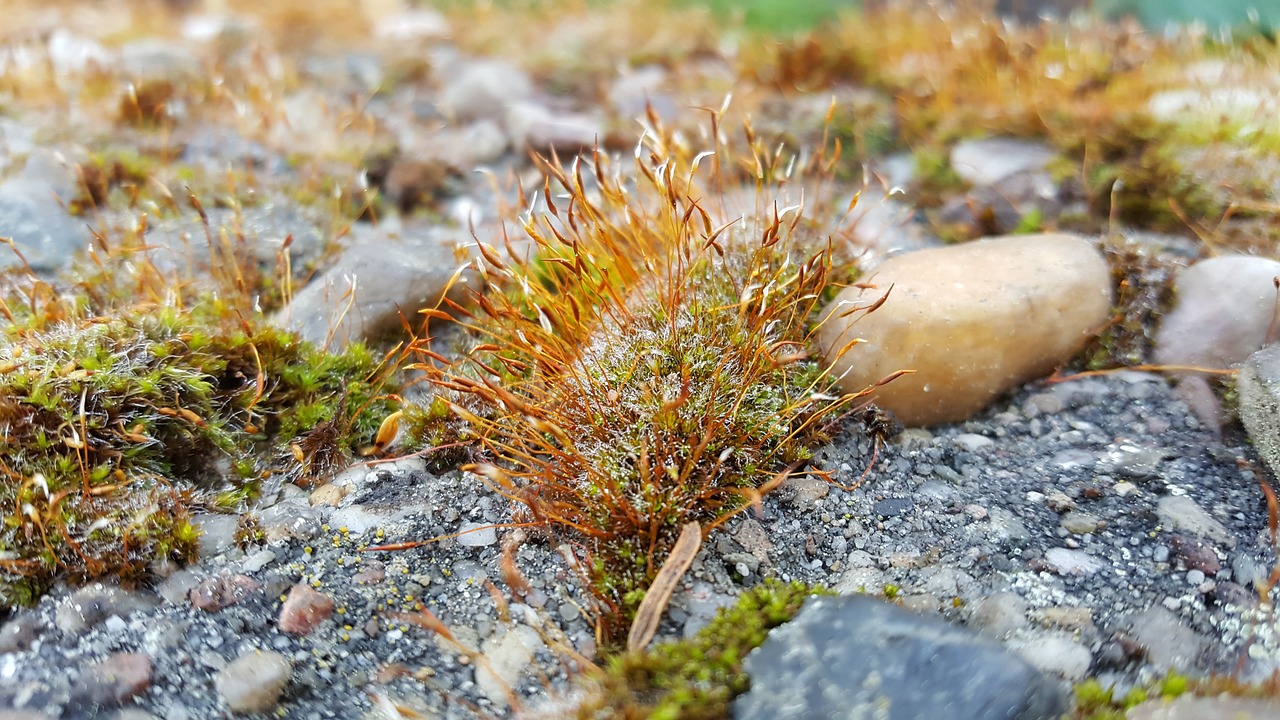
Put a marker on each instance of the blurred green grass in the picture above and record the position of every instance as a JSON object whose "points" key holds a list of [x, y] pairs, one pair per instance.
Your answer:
{"points": [[776, 16]]}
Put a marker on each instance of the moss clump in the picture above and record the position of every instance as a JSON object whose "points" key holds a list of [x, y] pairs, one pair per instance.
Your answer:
{"points": [[696, 678], [1095, 702], [1129, 169], [112, 428], [646, 370], [1143, 279]]}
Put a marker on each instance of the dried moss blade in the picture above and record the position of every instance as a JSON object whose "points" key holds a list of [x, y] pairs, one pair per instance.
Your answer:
{"points": [[659, 594]]}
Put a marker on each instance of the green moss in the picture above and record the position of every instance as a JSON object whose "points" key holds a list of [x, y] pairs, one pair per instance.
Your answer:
{"points": [[935, 179], [1095, 702], [698, 677], [113, 428]]}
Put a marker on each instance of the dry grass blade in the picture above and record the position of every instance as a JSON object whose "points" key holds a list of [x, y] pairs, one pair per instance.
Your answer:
{"points": [[664, 584]]}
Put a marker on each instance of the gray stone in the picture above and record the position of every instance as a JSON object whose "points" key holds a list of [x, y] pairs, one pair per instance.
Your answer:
{"points": [[884, 226], [990, 160], [893, 507], [1072, 562], [1006, 526], [856, 657], [506, 657], [93, 604], [1179, 512], [18, 634], [1056, 654], [1259, 386], [484, 89], [999, 615], [42, 230], [1167, 641], [477, 535], [377, 280], [217, 532], [1079, 523], [1223, 309]]}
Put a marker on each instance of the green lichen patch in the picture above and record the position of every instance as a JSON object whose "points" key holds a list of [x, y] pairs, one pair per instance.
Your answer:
{"points": [[698, 678]]}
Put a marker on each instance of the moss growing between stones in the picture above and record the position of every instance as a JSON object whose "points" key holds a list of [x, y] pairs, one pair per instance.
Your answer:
{"points": [[648, 369], [696, 678], [114, 427], [1143, 279], [1095, 702]]}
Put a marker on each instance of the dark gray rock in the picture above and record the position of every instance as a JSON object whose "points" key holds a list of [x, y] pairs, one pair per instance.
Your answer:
{"points": [[857, 657]]}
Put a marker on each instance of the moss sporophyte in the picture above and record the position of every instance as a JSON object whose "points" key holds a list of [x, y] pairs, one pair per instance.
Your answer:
{"points": [[651, 367]]}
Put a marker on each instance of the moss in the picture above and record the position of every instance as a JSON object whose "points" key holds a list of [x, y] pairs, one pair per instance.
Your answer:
{"points": [[642, 375], [1143, 281], [114, 427], [698, 677], [1095, 702], [935, 179]]}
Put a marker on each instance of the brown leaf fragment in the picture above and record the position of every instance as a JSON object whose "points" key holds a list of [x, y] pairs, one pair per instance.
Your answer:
{"points": [[649, 614]]}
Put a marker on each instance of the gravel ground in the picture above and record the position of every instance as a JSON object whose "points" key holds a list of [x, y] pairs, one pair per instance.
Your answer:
{"points": [[1093, 524]]}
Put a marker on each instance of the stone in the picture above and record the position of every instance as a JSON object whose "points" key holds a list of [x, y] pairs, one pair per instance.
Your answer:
{"points": [[217, 532], [1056, 654], [1196, 554], [1259, 390], [42, 230], [222, 591], [304, 609], [1079, 523], [115, 680], [803, 492], [484, 89], [506, 657], [884, 226], [381, 277], [856, 657], [1072, 562], [477, 535], [999, 615], [1223, 309], [539, 128], [635, 90], [1190, 707], [18, 634], [1169, 644], [410, 25], [973, 321], [1179, 512], [94, 604], [254, 681], [987, 161], [330, 495]]}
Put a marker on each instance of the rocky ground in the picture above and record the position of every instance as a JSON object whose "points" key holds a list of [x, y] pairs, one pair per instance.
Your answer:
{"points": [[1106, 526]]}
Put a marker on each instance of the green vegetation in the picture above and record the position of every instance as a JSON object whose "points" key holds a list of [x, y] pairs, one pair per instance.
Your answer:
{"points": [[115, 427], [1095, 702], [698, 678], [649, 369]]}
